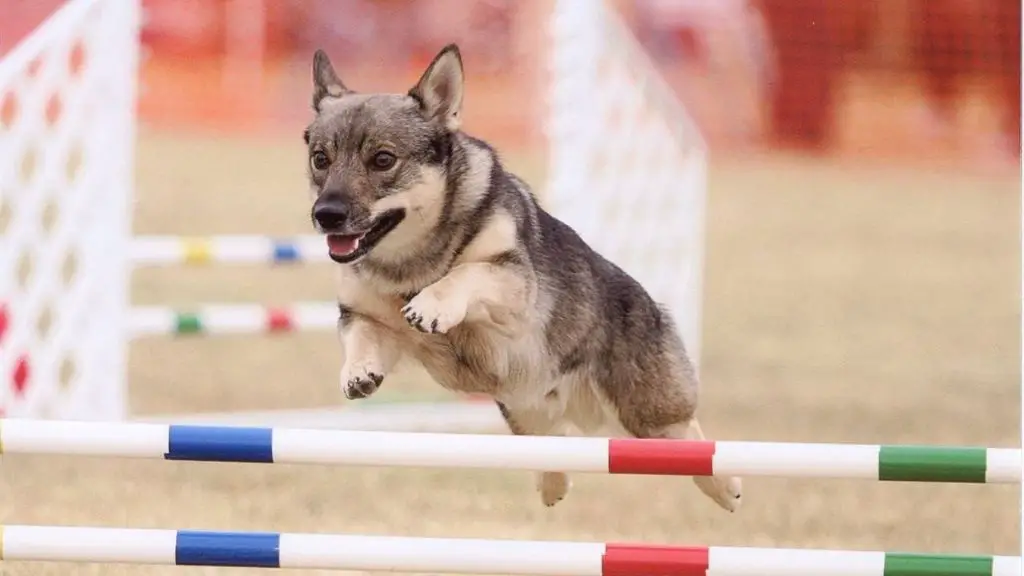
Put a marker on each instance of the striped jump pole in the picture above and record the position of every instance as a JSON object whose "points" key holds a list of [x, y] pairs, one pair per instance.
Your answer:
{"points": [[467, 556], [431, 450], [221, 319], [227, 249]]}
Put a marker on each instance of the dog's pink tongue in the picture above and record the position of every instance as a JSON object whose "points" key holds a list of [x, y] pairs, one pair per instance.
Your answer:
{"points": [[342, 245]]}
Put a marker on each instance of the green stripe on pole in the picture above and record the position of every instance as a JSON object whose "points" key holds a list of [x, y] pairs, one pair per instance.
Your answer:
{"points": [[188, 324], [932, 464], [936, 565]]}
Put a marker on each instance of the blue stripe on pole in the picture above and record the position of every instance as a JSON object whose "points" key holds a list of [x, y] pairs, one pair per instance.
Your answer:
{"points": [[220, 444], [248, 549], [284, 252]]}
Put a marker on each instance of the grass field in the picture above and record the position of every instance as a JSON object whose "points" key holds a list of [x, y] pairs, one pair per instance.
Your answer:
{"points": [[843, 304]]}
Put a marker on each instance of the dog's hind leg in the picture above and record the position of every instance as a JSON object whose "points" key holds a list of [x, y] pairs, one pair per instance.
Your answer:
{"points": [[644, 421], [725, 491], [657, 398], [553, 486]]}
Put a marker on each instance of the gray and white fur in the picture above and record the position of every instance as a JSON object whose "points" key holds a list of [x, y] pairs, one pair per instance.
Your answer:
{"points": [[447, 258]]}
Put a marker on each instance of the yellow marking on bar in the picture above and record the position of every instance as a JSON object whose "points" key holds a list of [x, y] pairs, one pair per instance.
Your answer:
{"points": [[197, 250]]}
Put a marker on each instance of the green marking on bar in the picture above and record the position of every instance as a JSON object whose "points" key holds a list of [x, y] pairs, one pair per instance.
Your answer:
{"points": [[897, 564], [932, 464], [188, 323]]}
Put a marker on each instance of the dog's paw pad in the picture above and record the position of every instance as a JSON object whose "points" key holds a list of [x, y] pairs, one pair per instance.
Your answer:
{"points": [[362, 385], [431, 315]]}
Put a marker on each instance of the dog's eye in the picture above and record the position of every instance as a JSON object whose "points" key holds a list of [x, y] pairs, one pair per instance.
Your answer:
{"points": [[319, 161], [383, 161]]}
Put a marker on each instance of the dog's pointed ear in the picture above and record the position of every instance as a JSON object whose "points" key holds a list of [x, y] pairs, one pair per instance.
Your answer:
{"points": [[439, 90], [325, 80]]}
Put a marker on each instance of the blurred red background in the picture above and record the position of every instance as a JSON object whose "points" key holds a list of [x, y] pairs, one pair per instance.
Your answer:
{"points": [[907, 78]]}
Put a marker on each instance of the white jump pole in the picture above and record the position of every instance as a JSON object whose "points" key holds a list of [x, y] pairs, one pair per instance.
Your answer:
{"points": [[468, 556], [429, 450]]}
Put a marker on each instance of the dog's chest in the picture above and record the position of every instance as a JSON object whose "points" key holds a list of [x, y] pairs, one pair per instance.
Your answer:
{"points": [[477, 360], [468, 358]]}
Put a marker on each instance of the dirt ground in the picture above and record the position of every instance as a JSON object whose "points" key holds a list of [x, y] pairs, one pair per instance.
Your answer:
{"points": [[843, 304]]}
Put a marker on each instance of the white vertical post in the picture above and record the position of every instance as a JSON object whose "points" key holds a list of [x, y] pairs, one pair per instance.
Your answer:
{"points": [[108, 380], [690, 319], [571, 131], [627, 165]]}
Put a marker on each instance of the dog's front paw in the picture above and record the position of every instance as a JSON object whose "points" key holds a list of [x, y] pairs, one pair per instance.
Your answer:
{"points": [[360, 380], [553, 487], [429, 313]]}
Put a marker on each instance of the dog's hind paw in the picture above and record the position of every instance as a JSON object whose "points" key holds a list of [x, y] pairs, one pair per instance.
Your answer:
{"points": [[428, 313], [726, 492], [360, 382], [553, 487]]}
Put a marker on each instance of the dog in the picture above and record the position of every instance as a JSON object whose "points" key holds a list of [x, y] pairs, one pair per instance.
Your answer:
{"points": [[447, 258]]}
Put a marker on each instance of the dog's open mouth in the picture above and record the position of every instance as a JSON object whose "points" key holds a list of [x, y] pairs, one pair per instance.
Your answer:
{"points": [[344, 248]]}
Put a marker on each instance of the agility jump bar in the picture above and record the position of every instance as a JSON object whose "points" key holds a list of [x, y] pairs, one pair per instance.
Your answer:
{"points": [[224, 319], [937, 464], [467, 556], [227, 249]]}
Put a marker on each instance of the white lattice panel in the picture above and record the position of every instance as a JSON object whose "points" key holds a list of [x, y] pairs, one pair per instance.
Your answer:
{"points": [[627, 165], [67, 97]]}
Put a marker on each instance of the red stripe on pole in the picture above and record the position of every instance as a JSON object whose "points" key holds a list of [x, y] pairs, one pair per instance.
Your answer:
{"points": [[661, 457], [279, 320], [636, 560]]}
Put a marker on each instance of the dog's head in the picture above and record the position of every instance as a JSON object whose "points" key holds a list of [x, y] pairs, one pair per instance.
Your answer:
{"points": [[377, 161]]}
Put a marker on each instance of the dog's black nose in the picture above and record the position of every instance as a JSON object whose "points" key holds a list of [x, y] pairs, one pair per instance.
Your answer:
{"points": [[330, 216]]}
